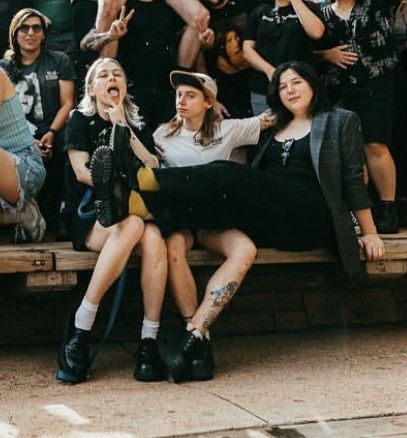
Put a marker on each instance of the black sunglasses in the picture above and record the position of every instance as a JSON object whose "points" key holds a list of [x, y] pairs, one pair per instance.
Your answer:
{"points": [[25, 28]]}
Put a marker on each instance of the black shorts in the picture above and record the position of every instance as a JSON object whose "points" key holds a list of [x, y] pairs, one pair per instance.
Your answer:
{"points": [[373, 103]]}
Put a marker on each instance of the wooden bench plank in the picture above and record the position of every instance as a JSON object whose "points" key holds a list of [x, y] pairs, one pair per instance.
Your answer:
{"points": [[25, 261]]}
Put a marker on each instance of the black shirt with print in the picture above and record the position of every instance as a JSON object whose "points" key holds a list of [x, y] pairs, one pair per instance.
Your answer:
{"points": [[279, 37], [368, 32]]}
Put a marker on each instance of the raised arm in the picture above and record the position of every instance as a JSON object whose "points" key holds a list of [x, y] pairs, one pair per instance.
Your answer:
{"points": [[255, 60], [102, 42], [312, 25]]}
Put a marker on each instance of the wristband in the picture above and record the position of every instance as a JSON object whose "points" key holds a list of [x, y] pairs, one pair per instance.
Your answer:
{"points": [[52, 130]]}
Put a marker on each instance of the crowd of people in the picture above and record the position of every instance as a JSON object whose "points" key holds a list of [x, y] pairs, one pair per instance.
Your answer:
{"points": [[228, 124]]}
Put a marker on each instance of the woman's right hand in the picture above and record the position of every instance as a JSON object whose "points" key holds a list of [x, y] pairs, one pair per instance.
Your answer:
{"points": [[373, 246], [340, 56]]}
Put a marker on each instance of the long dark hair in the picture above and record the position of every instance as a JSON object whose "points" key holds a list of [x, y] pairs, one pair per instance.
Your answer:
{"points": [[14, 53], [319, 102]]}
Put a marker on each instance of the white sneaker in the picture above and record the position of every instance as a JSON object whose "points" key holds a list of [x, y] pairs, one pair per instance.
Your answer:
{"points": [[32, 225]]}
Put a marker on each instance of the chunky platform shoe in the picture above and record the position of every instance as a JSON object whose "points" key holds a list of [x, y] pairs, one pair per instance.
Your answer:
{"points": [[193, 360], [149, 365], [73, 358]]}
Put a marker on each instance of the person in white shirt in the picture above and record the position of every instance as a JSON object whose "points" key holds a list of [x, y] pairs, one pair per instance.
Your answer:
{"points": [[197, 135]]}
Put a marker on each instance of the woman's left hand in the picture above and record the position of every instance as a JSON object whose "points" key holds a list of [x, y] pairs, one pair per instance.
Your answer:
{"points": [[373, 246]]}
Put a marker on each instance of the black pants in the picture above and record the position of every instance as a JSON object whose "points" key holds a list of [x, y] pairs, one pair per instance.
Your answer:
{"points": [[273, 210]]}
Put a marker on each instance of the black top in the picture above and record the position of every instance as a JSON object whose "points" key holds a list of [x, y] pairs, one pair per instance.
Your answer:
{"points": [[291, 159], [83, 133], [37, 86], [368, 32], [279, 37], [147, 52]]}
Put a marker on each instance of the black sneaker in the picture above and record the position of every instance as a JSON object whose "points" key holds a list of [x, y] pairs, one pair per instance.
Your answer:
{"points": [[73, 358], [111, 194], [386, 217], [193, 360], [149, 365]]}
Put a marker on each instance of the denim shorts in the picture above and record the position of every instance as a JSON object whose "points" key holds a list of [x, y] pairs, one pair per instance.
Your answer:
{"points": [[30, 174]]}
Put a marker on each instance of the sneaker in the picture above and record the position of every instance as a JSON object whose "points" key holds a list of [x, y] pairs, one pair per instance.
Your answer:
{"points": [[31, 226], [74, 358], [149, 365], [193, 360], [386, 217], [111, 193]]}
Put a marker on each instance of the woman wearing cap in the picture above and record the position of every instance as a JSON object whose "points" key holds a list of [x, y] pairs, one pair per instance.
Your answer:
{"points": [[306, 179], [197, 135]]}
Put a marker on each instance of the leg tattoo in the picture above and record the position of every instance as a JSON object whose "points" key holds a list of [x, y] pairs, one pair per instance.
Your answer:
{"points": [[222, 295]]}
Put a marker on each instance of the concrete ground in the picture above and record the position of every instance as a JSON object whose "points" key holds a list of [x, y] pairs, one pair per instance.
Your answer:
{"points": [[266, 381]]}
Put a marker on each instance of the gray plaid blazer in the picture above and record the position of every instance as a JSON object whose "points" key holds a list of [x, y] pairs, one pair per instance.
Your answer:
{"points": [[337, 156]]}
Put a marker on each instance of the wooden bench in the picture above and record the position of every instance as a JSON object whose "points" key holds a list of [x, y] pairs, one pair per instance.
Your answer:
{"points": [[54, 265]]}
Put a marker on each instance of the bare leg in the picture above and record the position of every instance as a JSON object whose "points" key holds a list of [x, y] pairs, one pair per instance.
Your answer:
{"points": [[240, 253], [115, 245], [153, 253], [9, 189], [181, 280], [382, 170]]}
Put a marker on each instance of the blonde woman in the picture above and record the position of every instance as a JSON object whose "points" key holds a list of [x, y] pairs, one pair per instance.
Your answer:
{"points": [[105, 104]]}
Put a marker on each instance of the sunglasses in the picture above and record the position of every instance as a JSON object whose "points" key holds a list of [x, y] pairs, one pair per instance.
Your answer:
{"points": [[25, 28]]}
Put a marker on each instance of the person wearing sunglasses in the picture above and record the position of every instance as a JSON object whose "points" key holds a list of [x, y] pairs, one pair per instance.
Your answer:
{"points": [[45, 84]]}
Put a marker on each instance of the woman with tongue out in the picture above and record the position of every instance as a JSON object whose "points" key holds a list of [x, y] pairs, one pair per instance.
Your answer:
{"points": [[105, 104]]}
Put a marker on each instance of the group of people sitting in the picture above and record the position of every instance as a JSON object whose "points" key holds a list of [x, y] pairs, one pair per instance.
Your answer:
{"points": [[190, 182]]}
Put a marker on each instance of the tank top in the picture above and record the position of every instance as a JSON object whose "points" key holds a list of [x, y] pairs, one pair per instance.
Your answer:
{"points": [[15, 134]]}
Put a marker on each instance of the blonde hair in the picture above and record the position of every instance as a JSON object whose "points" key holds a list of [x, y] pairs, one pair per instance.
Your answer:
{"points": [[206, 134], [87, 105]]}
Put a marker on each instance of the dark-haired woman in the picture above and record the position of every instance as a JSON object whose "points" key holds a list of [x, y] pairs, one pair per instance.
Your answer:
{"points": [[44, 82], [307, 178], [359, 73]]}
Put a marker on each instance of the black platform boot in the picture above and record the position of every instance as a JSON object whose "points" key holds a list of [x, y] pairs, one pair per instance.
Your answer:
{"points": [[73, 358], [149, 365], [193, 360]]}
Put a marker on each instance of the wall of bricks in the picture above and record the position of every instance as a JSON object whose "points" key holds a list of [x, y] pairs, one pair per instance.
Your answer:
{"points": [[272, 298]]}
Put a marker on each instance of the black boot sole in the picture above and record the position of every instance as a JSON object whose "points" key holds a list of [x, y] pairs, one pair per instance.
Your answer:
{"points": [[101, 167]]}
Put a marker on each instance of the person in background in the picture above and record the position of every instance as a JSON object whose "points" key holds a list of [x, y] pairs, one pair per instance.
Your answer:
{"points": [[399, 137], [45, 84], [21, 168], [147, 47], [360, 59], [281, 31], [104, 105]]}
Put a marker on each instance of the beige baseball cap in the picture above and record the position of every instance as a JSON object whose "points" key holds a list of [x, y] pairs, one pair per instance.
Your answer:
{"points": [[197, 80]]}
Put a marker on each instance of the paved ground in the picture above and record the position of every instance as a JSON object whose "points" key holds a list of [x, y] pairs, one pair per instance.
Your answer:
{"points": [[261, 382]]}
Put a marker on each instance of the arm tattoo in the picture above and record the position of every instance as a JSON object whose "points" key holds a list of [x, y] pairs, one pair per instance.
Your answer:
{"points": [[95, 41], [222, 295]]}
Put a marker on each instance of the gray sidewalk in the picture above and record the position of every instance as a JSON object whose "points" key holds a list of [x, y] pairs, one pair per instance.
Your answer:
{"points": [[261, 381]]}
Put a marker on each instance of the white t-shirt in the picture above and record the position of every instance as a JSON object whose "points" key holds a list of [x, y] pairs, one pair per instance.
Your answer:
{"points": [[183, 150]]}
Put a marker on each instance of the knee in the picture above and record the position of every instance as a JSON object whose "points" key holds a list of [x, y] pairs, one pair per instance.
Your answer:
{"points": [[248, 251], [191, 12], [128, 231], [176, 248], [377, 150], [152, 244]]}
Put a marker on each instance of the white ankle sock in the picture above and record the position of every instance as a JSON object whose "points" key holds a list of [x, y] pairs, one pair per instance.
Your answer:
{"points": [[86, 314], [149, 329]]}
